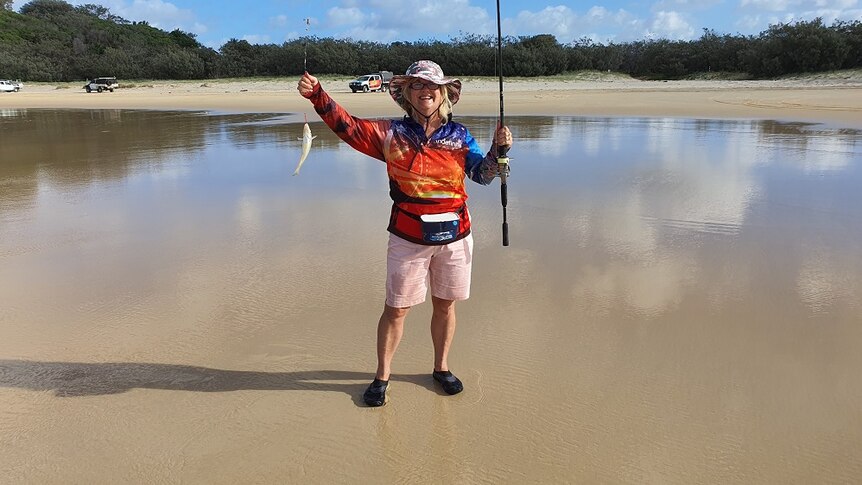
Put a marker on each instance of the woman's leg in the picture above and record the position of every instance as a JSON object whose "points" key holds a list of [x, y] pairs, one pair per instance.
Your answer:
{"points": [[442, 331], [390, 328]]}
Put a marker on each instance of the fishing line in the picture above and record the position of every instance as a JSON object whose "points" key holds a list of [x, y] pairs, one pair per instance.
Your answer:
{"points": [[502, 150], [305, 47], [307, 137]]}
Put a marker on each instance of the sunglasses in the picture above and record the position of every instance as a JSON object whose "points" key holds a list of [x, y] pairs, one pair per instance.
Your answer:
{"points": [[417, 85]]}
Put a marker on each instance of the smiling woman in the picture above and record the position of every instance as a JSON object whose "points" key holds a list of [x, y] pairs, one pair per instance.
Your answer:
{"points": [[427, 158], [424, 92]]}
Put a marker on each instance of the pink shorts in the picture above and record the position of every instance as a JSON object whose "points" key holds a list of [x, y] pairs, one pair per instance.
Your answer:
{"points": [[410, 266]]}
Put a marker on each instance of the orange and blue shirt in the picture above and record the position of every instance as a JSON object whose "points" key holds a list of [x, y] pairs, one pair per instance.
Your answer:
{"points": [[426, 174]]}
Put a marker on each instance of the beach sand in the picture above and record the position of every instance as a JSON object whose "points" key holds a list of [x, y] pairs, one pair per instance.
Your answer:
{"points": [[835, 100], [118, 365]]}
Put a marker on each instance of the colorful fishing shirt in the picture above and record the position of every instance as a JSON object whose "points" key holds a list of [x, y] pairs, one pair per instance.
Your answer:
{"points": [[426, 175]]}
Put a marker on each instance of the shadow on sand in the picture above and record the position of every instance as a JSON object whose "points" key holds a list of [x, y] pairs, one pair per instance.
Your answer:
{"points": [[71, 379]]}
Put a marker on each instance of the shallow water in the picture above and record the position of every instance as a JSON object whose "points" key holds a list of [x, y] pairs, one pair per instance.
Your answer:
{"points": [[680, 303]]}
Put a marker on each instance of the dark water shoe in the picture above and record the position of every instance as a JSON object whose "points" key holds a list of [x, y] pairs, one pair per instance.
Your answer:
{"points": [[451, 384], [375, 395]]}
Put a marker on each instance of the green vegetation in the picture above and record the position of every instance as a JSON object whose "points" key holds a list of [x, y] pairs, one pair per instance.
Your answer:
{"points": [[51, 40]]}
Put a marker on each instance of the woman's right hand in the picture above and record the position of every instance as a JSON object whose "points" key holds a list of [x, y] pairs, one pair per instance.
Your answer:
{"points": [[503, 137], [306, 84]]}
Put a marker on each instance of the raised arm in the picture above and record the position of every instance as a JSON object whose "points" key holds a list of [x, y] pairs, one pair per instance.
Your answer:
{"points": [[367, 136]]}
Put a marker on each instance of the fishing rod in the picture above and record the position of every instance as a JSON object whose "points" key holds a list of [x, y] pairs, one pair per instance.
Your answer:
{"points": [[502, 150], [305, 47]]}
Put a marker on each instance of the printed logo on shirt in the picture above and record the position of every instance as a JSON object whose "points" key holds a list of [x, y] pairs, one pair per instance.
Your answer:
{"points": [[447, 143]]}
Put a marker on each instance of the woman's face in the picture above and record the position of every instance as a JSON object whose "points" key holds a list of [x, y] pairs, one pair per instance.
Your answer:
{"points": [[427, 98]]}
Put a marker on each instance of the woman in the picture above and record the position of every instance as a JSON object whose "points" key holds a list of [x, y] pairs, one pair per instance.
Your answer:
{"points": [[427, 157]]}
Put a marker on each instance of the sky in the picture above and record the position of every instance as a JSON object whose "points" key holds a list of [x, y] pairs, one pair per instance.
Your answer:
{"points": [[214, 22]]}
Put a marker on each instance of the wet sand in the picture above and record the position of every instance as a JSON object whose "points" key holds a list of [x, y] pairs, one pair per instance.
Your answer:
{"points": [[201, 343], [838, 101]]}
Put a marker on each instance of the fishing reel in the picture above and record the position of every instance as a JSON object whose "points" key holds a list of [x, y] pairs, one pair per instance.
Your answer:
{"points": [[503, 168]]}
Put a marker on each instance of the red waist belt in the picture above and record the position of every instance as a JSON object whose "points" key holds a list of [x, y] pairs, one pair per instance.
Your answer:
{"points": [[408, 226]]}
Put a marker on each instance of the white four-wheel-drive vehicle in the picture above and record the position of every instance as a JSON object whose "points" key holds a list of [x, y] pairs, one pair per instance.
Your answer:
{"points": [[100, 84], [8, 86], [378, 81]]}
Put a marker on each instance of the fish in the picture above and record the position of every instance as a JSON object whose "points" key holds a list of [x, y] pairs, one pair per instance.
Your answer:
{"points": [[306, 145]]}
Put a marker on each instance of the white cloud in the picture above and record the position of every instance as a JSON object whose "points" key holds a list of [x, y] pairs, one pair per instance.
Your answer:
{"points": [[597, 23], [769, 5], [410, 19], [163, 15], [829, 15], [559, 20], [671, 25], [377, 35], [256, 39], [160, 14], [339, 17], [749, 23], [837, 4], [360, 25], [826, 8], [687, 5]]}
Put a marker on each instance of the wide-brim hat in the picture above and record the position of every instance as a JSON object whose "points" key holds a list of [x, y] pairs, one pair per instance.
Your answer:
{"points": [[429, 71]]}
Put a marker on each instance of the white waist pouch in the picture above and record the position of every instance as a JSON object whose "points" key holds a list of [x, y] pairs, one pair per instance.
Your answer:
{"points": [[439, 228]]}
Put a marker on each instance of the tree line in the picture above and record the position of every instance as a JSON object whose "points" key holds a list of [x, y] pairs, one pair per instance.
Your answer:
{"points": [[51, 40]]}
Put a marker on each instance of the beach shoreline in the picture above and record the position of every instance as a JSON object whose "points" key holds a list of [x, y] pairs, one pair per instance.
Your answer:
{"points": [[833, 101], [179, 308]]}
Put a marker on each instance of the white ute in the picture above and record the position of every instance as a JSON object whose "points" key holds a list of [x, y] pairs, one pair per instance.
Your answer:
{"points": [[10, 86], [100, 84]]}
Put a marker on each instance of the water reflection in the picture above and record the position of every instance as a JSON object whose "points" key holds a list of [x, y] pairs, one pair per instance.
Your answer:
{"points": [[671, 287], [683, 205], [631, 212]]}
